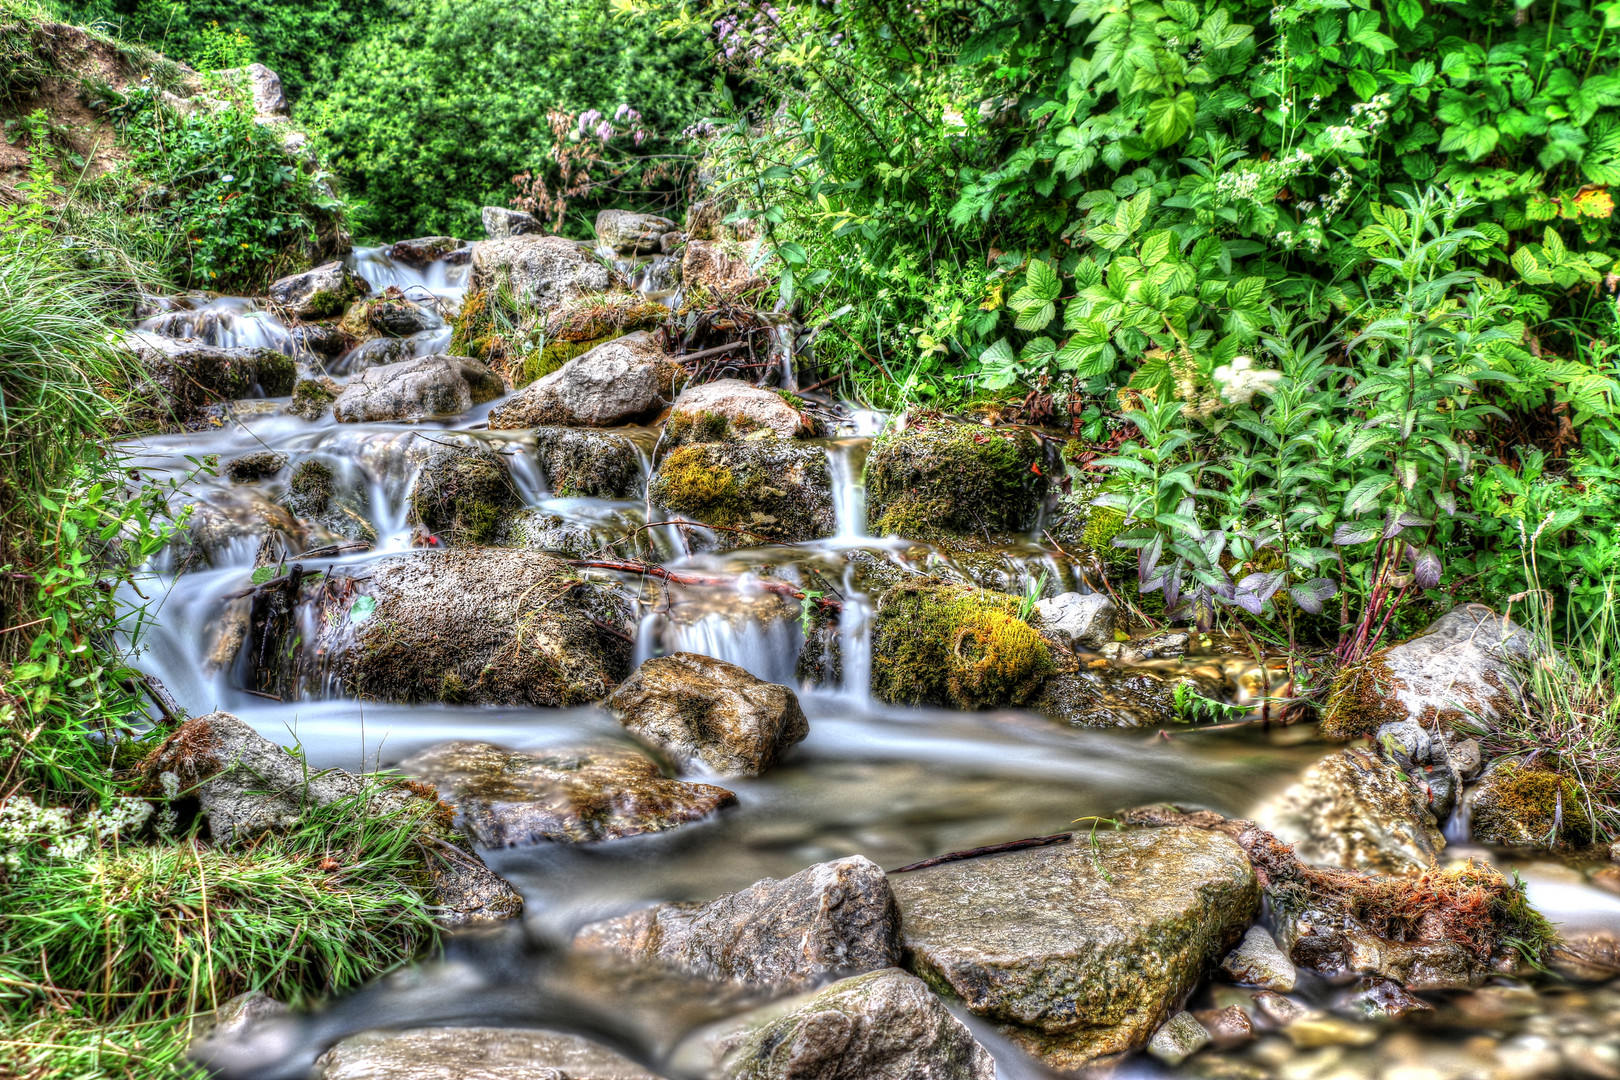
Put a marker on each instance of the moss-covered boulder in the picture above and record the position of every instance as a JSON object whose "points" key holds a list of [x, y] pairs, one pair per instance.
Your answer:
{"points": [[597, 464], [461, 493], [313, 398], [942, 644], [1081, 949], [733, 409], [390, 315], [527, 341], [315, 496], [492, 626], [1462, 666], [771, 490], [321, 293], [1519, 805], [174, 383], [938, 479]]}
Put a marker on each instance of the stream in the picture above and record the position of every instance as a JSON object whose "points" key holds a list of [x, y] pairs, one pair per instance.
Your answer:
{"points": [[896, 785]]}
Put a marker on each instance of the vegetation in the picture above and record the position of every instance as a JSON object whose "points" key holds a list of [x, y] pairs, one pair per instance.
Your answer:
{"points": [[937, 644]]}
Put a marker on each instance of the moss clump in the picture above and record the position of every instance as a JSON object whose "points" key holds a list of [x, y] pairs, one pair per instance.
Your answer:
{"points": [[794, 401], [1526, 805], [939, 644], [940, 478], [461, 493], [328, 303], [524, 342], [589, 463], [314, 496], [311, 399], [775, 490], [1361, 701], [701, 427]]}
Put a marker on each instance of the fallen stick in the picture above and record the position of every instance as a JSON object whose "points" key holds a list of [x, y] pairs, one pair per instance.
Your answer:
{"points": [[713, 581], [992, 849]]}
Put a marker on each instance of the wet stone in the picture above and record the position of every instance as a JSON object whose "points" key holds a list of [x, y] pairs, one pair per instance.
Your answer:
{"points": [[461, 492], [257, 466], [321, 293], [1377, 999], [313, 494], [430, 386], [507, 799], [1180, 1038], [1085, 620], [1228, 1027], [473, 1054], [1259, 962], [538, 530], [597, 464], [753, 492], [832, 917], [618, 382]]}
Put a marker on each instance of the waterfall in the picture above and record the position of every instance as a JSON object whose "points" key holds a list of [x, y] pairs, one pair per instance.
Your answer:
{"points": [[443, 280], [227, 322]]}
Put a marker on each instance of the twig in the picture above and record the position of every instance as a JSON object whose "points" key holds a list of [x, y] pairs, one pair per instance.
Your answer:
{"points": [[992, 849], [716, 351]]}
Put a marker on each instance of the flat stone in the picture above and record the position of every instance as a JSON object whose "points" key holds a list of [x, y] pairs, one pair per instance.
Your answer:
{"points": [[418, 389], [1357, 811], [501, 222], [710, 714], [1178, 1039], [1259, 962], [885, 1025], [744, 407], [1084, 619], [1081, 949], [1384, 999], [618, 382], [507, 799], [473, 1054], [629, 233]]}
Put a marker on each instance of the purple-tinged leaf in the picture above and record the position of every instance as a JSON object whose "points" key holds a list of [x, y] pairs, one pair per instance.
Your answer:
{"points": [[1425, 567], [1355, 532]]}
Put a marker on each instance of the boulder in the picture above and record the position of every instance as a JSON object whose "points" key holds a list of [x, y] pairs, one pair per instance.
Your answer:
{"points": [[432, 386], [884, 1025], [501, 222], [618, 382], [628, 233], [260, 465], [597, 464], [461, 492], [473, 1053], [391, 315], [311, 398], [542, 270], [321, 293], [1257, 961], [937, 479], [722, 269], [1520, 804], [954, 645], [771, 491], [264, 85], [314, 495], [1081, 949], [1460, 667], [320, 338], [423, 250], [1081, 619], [709, 713], [178, 381], [491, 626], [507, 799], [831, 917], [1339, 949], [1357, 811], [728, 408], [1180, 1038]]}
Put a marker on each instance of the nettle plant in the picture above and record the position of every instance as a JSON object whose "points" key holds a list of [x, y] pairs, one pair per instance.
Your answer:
{"points": [[1341, 473]]}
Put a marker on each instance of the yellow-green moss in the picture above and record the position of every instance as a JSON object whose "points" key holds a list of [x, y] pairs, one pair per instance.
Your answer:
{"points": [[690, 484], [776, 489], [940, 644], [941, 478], [1517, 804], [700, 427], [326, 303], [1361, 701]]}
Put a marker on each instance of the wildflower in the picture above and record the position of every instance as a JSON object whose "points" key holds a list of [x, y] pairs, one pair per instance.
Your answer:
{"points": [[1241, 380]]}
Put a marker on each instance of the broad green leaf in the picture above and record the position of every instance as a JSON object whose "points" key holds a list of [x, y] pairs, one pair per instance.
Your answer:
{"points": [[1168, 119]]}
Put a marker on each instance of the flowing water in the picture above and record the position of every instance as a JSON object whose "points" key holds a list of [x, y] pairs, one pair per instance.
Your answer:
{"points": [[895, 785]]}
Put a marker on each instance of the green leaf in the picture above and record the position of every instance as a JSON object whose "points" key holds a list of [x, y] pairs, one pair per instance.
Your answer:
{"points": [[1168, 119], [1042, 280], [362, 609]]}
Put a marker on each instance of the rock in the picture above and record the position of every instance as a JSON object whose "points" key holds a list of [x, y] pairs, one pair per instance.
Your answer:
{"points": [[472, 1053], [260, 465], [1355, 810], [938, 479], [538, 530], [1229, 1027], [1084, 619], [1520, 805], [218, 533], [1081, 949], [321, 293], [721, 269], [670, 242], [631, 234], [489, 626], [432, 386], [1459, 667], [1315, 1030], [1259, 962], [1586, 954], [468, 893], [831, 917], [1341, 949], [727, 408], [542, 270], [322, 339], [597, 464], [508, 799], [423, 250], [501, 222], [1614, 852], [937, 644], [390, 315], [269, 102], [1108, 696], [176, 381], [1466, 758], [1278, 1010], [240, 1013], [315, 496], [1180, 1038], [1425, 762], [705, 220], [773, 491], [884, 1025], [461, 492], [312, 397], [1384, 999], [703, 711], [618, 382]]}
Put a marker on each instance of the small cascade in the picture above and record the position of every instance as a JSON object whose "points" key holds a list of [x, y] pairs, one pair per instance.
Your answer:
{"points": [[444, 279], [227, 322], [755, 630], [846, 461], [386, 350], [651, 275], [855, 642]]}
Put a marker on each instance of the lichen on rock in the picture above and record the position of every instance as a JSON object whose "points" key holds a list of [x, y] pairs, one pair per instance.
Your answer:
{"points": [[582, 462], [942, 644]]}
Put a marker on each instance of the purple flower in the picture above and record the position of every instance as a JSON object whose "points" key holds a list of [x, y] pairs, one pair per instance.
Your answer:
{"points": [[604, 131]]}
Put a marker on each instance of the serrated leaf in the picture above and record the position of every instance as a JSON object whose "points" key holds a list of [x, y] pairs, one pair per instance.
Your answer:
{"points": [[1042, 281], [1168, 119]]}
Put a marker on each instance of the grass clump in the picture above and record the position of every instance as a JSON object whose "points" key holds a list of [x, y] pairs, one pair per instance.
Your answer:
{"points": [[937, 644]]}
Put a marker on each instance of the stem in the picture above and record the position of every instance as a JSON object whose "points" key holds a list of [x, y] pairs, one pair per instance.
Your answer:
{"points": [[1546, 48]]}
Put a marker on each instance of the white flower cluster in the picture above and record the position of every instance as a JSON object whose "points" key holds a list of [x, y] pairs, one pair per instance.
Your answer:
{"points": [[52, 831], [1241, 380], [1263, 178]]}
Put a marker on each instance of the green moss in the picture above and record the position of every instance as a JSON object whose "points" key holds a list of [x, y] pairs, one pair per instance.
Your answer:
{"points": [[1519, 804], [941, 478], [461, 493], [327, 303], [777, 490], [1361, 701], [686, 427], [310, 400], [792, 399], [689, 483], [939, 644]]}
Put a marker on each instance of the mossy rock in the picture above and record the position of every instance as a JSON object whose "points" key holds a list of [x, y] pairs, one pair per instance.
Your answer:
{"points": [[311, 399], [526, 342], [1520, 805], [460, 494], [942, 644], [314, 496], [940, 479], [596, 464], [775, 490]]}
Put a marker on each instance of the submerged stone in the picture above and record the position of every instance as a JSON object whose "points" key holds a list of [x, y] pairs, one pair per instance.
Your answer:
{"points": [[260, 465], [539, 530], [938, 479], [311, 398], [939, 644], [1081, 949], [314, 496], [767, 490], [1108, 696], [509, 799], [1180, 1038]]}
